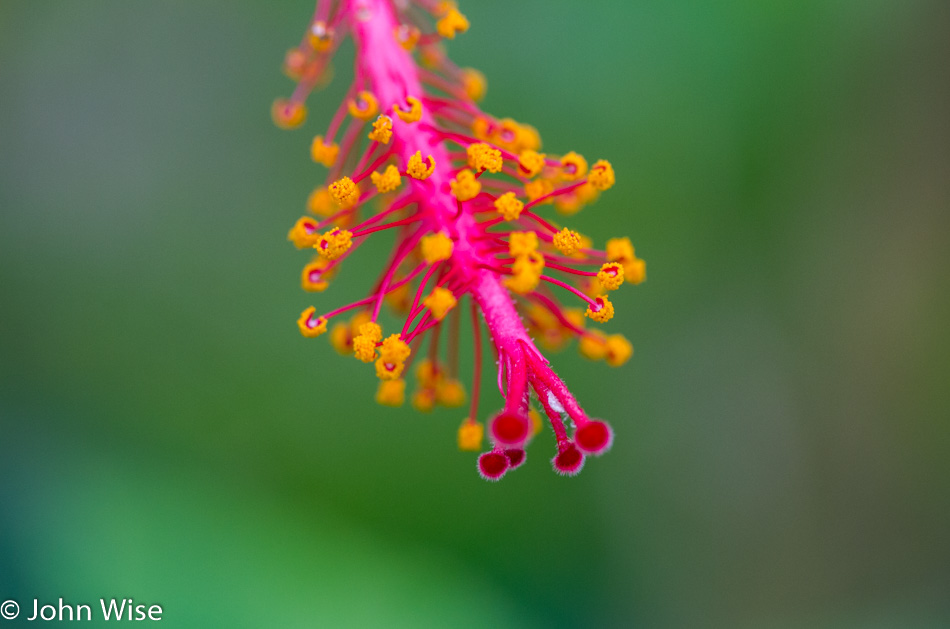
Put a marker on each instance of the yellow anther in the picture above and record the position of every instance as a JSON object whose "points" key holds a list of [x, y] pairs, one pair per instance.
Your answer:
{"points": [[345, 192], [428, 374], [388, 181], [531, 262], [432, 56], [424, 400], [288, 114], [602, 312], [601, 175], [566, 241], [573, 166], [412, 114], [391, 392], [470, 436], [382, 129], [575, 316], [341, 339], [572, 202], [304, 233], [481, 157], [324, 153], [453, 22], [522, 283], [521, 243], [364, 348], [394, 349], [529, 138], [480, 127], [536, 423], [439, 302], [407, 36], [509, 206], [451, 393], [334, 243], [593, 345], [315, 277], [621, 250], [417, 169], [311, 326], [320, 37], [610, 275], [389, 370], [436, 247], [538, 188], [371, 330], [531, 162], [465, 186], [320, 203], [363, 108], [619, 350], [592, 287], [474, 84], [399, 299]]}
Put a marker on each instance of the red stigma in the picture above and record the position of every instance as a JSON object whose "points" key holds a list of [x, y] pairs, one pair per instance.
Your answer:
{"points": [[509, 428], [492, 465], [594, 437]]}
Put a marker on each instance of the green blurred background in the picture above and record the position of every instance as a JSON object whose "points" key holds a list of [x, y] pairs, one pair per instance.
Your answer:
{"points": [[782, 430]]}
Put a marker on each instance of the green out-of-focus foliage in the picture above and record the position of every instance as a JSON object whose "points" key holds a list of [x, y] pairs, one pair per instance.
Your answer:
{"points": [[782, 429]]}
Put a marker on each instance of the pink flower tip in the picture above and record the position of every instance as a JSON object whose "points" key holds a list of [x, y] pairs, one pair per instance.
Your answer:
{"points": [[510, 428], [594, 437], [568, 461], [492, 465], [515, 457]]}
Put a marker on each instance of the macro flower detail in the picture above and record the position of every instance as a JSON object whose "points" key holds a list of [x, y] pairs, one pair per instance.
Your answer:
{"points": [[467, 197]]}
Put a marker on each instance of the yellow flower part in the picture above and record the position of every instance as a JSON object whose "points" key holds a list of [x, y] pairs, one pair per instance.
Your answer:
{"points": [[314, 277], [413, 114], [573, 166], [311, 326], [480, 127], [470, 436], [509, 206], [428, 374], [450, 393], [320, 37], [334, 243], [572, 202], [436, 247], [399, 299], [444, 6], [481, 157], [610, 275], [601, 175], [531, 162], [521, 243], [387, 370], [593, 345], [341, 339], [364, 348], [619, 250], [388, 181], [288, 114], [619, 350], [529, 138], [536, 189], [345, 192], [531, 262], [522, 283], [416, 168], [304, 233], [636, 270], [323, 153], [566, 241], [474, 84], [592, 287], [537, 424], [602, 312], [575, 316], [439, 302], [371, 330], [424, 400], [465, 186], [320, 203], [382, 130], [394, 349], [432, 56], [364, 107], [407, 36], [391, 392], [453, 22]]}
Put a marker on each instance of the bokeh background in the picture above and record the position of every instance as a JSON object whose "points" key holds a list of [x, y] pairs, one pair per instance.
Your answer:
{"points": [[783, 435]]}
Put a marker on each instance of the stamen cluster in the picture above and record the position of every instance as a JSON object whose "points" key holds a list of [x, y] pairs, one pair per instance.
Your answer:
{"points": [[409, 150]]}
